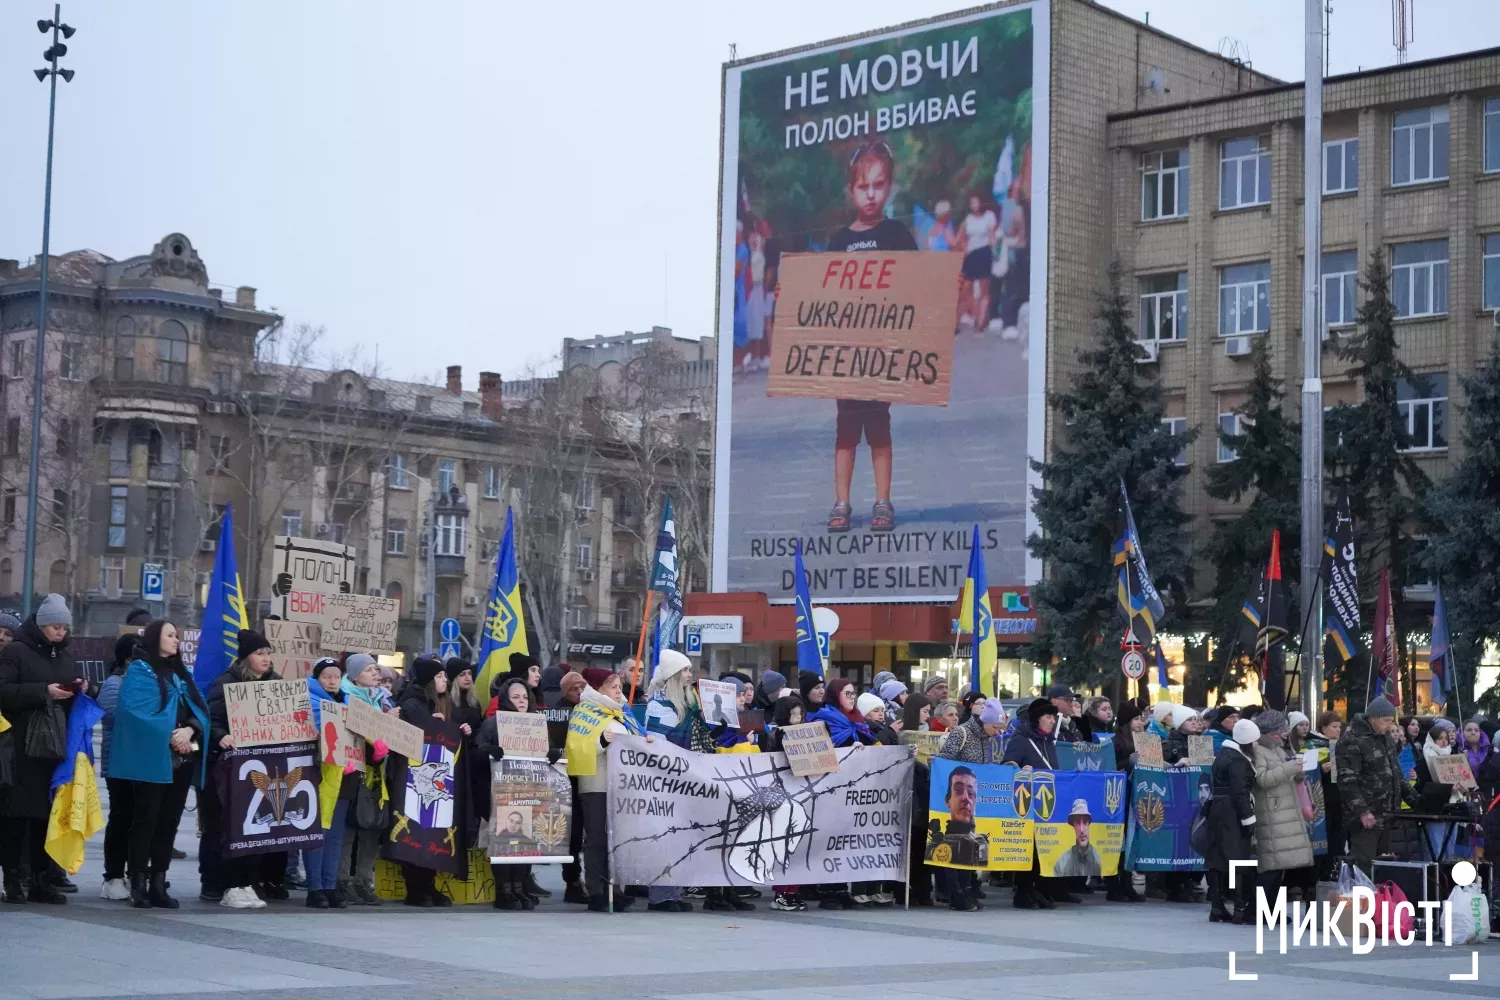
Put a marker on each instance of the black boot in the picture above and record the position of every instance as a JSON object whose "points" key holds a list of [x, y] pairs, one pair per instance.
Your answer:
{"points": [[336, 900], [505, 895], [575, 893], [138, 898], [157, 892], [531, 888], [15, 889], [41, 890]]}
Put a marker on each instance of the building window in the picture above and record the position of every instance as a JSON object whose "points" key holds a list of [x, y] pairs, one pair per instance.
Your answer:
{"points": [[159, 521], [172, 353], [223, 381], [1244, 299], [215, 519], [1492, 135], [396, 474], [13, 436], [6, 583], [125, 349], [1492, 271], [578, 617], [218, 453], [395, 536], [112, 577], [450, 535], [62, 509], [119, 500], [584, 493], [1164, 305], [291, 523], [67, 436], [1230, 423], [1245, 172], [18, 357], [492, 482], [1421, 278], [623, 617], [57, 578], [1164, 184], [1340, 280], [1177, 427], [393, 590], [8, 508], [586, 554], [1419, 146], [68, 356], [1341, 166], [1423, 401], [447, 476]]}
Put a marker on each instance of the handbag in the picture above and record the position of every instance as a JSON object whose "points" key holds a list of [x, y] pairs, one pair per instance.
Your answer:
{"points": [[369, 812], [47, 733], [1305, 802]]}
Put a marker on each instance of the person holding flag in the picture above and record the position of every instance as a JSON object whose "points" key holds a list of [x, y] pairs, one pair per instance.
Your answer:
{"points": [[504, 630], [1266, 628], [223, 612], [974, 617]]}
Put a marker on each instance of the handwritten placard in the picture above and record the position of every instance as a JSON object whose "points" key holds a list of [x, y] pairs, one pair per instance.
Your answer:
{"points": [[1148, 747], [1455, 771], [358, 623], [265, 713], [718, 701], [808, 749], [873, 325], [522, 734], [926, 744], [337, 744], [373, 724], [295, 647], [1201, 750]]}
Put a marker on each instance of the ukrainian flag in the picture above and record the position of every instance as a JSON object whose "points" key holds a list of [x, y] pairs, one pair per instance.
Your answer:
{"points": [[223, 612], [974, 616], [76, 815], [504, 630]]}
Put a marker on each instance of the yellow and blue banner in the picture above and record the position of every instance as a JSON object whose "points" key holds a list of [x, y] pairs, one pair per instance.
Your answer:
{"points": [[76, 815], [223, 612], [974, 617], [504, 630], [1137, 594], [809, 654]]}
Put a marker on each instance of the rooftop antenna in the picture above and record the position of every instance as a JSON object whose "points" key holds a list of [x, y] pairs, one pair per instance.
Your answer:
{"points": [[1327, 33], [1403, 27], [733, 51]]}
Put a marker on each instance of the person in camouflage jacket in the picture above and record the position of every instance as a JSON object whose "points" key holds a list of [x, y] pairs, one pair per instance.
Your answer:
{"points": [[1371, 785]]}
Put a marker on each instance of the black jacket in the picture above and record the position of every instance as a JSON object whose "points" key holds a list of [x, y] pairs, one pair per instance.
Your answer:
{"points": [[27, 666], [1231, 813], [886, 735], [218, 712], [1029, 748]]}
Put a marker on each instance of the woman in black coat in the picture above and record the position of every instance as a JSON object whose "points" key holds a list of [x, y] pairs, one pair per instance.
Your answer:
{"points": [[1231, 819], [1034, 745], [36, 670]]}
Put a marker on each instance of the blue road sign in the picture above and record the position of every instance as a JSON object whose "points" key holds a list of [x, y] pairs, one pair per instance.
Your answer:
{"points": [[694, 639], [448, 649], [153, 582], [449, 630]]}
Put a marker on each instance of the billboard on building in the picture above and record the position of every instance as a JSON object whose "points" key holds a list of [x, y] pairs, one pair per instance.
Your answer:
{"points": [[881, 396]]}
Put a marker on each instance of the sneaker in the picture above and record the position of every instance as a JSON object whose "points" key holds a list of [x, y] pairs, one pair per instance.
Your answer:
{"points": [[114, 888], [241, 898], [787, 904], [883, 899], [697, 892], [861, 900]]}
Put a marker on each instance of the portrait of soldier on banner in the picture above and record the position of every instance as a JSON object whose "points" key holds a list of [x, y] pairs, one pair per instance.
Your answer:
{"points": [[958, 842], [1082, 858]]}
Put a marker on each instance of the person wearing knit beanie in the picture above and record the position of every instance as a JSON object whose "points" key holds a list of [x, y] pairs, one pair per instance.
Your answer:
{"points": [[1245, 732], [455, 666], [596, 676], [1380, 708], [424, 670], [571, 686], [250, 641], [868, 703], [811, 684], [767, 690], [1272, 722], [53, 611]]}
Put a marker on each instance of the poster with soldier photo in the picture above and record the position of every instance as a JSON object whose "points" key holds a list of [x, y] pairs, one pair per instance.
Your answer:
{"points": [[531, 812]]}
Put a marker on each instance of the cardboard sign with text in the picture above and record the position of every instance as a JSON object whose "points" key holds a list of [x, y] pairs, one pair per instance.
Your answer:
{"points": [[337, 744], [302, 569], [872, 325], [1148, 750], [373, 724], [522, 734], [926, 744], [294, 647], [1454, 770], [355, 623], [809, 749], [266, 713], [1201, 750], [718, 700]]}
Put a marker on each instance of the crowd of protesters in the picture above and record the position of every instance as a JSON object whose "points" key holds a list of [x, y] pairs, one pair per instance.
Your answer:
{"points": [[161, 737]]}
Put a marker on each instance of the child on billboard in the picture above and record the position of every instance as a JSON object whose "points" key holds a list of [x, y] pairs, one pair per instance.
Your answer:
{"points": [[871, 171]]}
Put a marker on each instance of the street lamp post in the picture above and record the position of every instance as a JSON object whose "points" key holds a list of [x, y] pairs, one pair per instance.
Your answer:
{"points": [[55, 52]]}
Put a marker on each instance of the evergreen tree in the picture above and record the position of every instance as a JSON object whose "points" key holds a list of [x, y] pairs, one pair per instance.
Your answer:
{"points": [[1464, 551], [1112, 432], [1364, 451], [1267, 468]]}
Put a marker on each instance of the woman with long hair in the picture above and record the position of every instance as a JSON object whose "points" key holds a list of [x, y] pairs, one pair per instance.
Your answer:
{"points": [[673, 713], [424, 697], [117, 829], [159, 745], [369, 810]]}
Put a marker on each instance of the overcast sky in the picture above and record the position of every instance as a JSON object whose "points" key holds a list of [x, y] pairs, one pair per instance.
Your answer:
{"points": [[467, 182]]}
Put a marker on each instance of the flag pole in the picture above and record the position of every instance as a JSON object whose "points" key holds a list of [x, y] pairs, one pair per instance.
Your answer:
{"points": [[640, 645]]}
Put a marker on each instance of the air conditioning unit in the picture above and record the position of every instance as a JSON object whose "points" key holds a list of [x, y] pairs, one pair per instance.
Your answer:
{"points": [[586, 575], [208, 545], [323, 529], [1236, 347], [1149, 351], [422, 600], [471, 600]]}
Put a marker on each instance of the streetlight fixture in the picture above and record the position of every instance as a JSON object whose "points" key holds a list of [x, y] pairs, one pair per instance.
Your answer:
{"points": [[55, 52]]}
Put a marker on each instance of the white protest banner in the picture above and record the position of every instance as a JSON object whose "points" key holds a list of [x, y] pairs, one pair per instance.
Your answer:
{"points": [[679, 818], [522, 734], [263, 713], [1454, 770], [717, 698], [337, 745], [304, 568], [809, 749], [294, 647], [355, 623], [373, 724]]}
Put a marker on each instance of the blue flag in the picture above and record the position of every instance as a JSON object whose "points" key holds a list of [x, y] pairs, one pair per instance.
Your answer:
{"points": [[664, 581], [504, 630], [1161, 669], [974, 616], [1441, 657], [809, 656], [223, 612], [1137, 595]]}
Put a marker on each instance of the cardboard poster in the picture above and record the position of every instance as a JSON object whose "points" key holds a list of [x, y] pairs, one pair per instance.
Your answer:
{"points": [[1148, 750], [1454, 770], [1201, 750], [809, 749], [531, 812], [752, 721], [522, 734], [262, 713], [718, 700], [357, 623], [337, 744], [373, 724], [302, 569], [295, 647], [926, 744], [869, 325]]}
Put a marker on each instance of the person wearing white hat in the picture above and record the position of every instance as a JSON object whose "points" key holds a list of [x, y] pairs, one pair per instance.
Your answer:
{"points": [[1231, 818], [1082, 859], [673, 713]]}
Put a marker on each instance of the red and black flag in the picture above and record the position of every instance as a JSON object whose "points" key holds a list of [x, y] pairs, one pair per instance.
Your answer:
{"points": [[1266, 626]]}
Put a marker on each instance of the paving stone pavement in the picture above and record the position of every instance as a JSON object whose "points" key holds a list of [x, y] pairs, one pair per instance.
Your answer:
{"points": [[93, 948]]}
